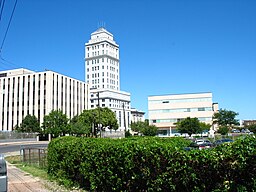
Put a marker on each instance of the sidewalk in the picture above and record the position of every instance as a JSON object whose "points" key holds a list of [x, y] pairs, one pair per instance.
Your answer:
{"points": [[19, 181]]}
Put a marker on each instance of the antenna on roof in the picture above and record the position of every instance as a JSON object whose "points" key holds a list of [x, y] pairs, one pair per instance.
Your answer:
{"points": [[101, 24]]}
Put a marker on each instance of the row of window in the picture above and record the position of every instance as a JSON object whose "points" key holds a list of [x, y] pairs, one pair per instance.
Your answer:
{"points": [[175, 120], [181, 110], [97, 81], [95, 61], [181, 100], [103, 86], [94, 47]]}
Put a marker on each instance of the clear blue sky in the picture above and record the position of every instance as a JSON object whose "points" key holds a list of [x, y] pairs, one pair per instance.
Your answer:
{"points": [[166, 46]]}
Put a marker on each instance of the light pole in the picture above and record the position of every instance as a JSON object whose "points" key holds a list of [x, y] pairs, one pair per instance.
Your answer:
{"points": [[99, 125], [124, 117]]}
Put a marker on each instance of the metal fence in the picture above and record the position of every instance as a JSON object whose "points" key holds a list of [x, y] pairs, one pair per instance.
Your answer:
{"points": [[11, 135], [35, 156], [113, 134]]}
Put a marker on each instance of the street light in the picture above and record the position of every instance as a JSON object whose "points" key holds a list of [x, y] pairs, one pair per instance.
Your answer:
{"points": [[99, 125], [124, 118]]}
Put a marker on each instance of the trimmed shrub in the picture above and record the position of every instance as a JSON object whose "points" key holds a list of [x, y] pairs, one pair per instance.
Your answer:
{"points": [[152, 164]]}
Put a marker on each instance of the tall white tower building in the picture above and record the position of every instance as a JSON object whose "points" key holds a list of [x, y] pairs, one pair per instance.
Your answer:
{"points": [[102, 71], [102, 61]]}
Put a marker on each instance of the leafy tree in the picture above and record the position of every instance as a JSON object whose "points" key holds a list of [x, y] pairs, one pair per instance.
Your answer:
{"points": [[137, 126], [223, 130], [204, 126], [89, 120], [149, 130], [29, 124], [78, 128], [144, 128], [189, 126], [225, 118], [108, 118], [86, 121], [56, 123]]}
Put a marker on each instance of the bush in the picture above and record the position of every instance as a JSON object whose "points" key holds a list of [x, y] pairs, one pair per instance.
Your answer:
{"points": [[152, 164]]}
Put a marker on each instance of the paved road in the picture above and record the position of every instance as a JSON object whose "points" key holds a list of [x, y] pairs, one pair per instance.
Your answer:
{"points": [[8, 148]]}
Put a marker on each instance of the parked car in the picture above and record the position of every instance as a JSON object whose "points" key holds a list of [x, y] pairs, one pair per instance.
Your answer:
{"points": [[245, 131], [202, 141], [221, 141], [235, 131], [199, 144]]}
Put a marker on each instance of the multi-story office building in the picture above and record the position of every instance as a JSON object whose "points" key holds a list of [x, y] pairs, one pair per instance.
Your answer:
{"points": [[103, 76], [137, 115], [249, 122], [166, 110], [24, 92], [117, 101]]}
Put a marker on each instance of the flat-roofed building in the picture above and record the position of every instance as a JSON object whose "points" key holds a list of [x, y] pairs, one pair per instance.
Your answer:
{"points": [[249, 122], [137, 115], [166, 110], [24, 92], [117, 101]]}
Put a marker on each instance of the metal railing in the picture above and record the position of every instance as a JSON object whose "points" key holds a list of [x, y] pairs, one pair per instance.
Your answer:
{"points": [[35, 156]]}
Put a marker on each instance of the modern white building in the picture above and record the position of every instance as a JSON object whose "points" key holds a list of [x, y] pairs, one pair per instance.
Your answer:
{"points": [[166, 110], [102, 73], [24, 92]]}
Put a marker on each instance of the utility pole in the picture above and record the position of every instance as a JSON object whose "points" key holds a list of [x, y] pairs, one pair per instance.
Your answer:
{"points": [[124, 118], [99, 126]]}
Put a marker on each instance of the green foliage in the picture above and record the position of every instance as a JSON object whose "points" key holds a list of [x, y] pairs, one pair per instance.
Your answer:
{"points": [[189, 126], [29, 124], [137, 126], [144, 128], [150, 130], [225, 118], [152, 164], [56, 123], [204, 126], [223, 130]]}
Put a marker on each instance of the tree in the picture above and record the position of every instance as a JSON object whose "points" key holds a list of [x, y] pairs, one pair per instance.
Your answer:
{"points": [[108, 118], [144, 128], [223, 130], [137, 126], [204, 126], [29, 124], [89, 121], [149, 130], [56, 123], [189, 126], [78, 128], [225, 118]]}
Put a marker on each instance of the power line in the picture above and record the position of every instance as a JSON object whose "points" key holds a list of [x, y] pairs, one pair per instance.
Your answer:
{"points": [[8, 26], [2, 8]]}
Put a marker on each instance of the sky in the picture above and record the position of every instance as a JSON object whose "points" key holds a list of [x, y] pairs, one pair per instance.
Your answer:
{"points": [[166, 46]]}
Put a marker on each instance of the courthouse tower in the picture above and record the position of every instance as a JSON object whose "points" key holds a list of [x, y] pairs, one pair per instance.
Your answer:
{"points": [[102, 61], [102, 73]]}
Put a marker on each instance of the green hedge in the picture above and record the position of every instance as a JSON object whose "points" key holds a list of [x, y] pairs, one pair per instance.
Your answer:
{"points": [[152, 164]]}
